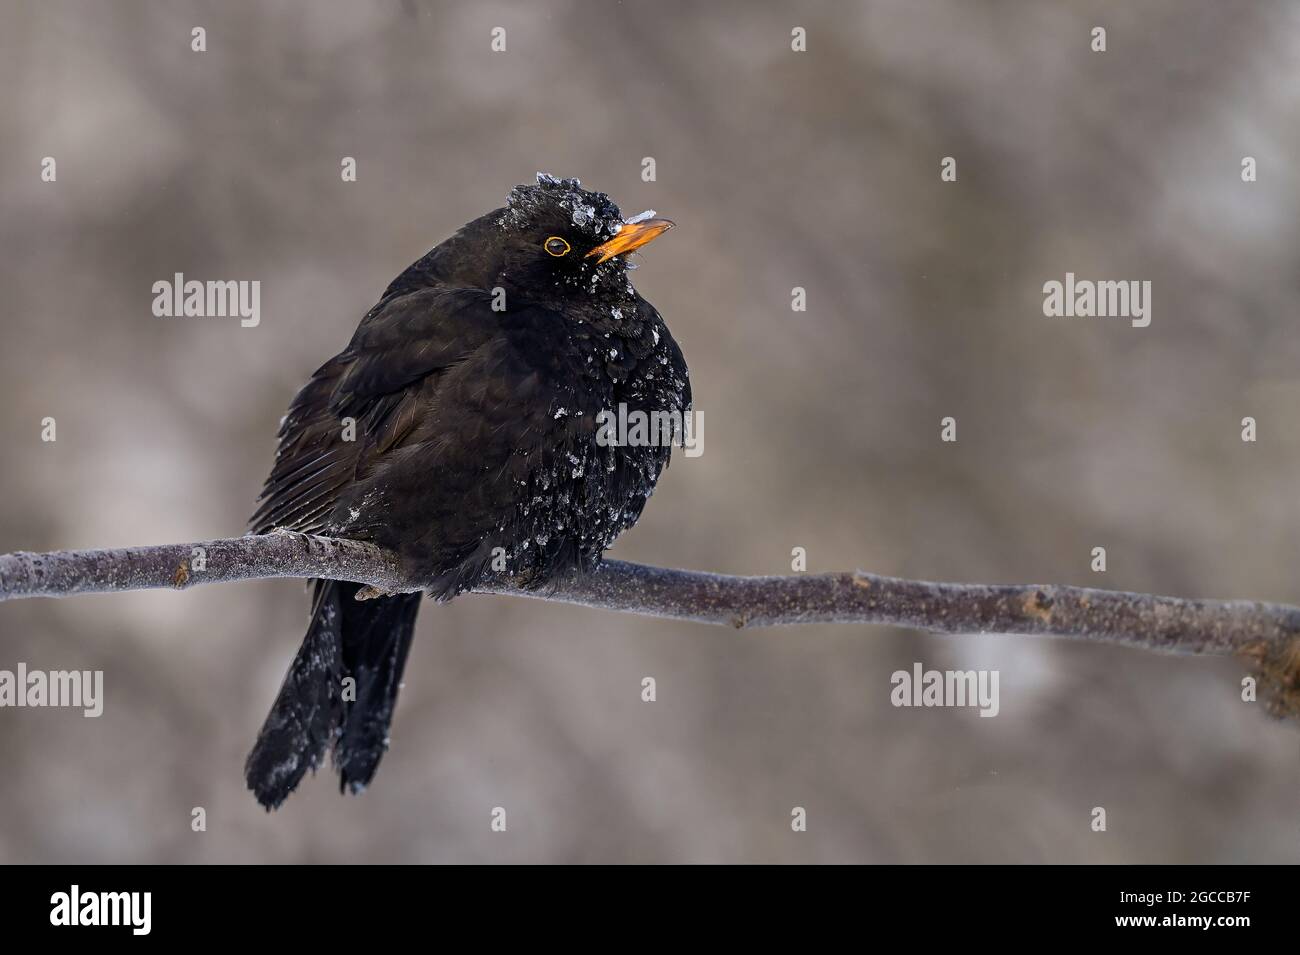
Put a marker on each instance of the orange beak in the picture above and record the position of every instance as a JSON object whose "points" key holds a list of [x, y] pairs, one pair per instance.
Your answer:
{"points": [[631, 237]]}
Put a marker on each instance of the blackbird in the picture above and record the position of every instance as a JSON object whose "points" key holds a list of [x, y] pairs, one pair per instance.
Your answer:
{"points": [[459, 429]]}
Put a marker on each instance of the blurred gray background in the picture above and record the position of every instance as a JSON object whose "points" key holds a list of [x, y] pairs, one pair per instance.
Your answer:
{"points": [[818, 169]]}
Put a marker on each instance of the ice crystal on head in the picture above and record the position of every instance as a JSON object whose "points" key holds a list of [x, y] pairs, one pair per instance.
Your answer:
{"points": [[617, 314], [655, 333], [592, 212], [561, 412]]}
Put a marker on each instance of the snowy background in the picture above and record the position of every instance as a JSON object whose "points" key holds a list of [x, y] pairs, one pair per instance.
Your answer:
{"points": [[818, 169]]}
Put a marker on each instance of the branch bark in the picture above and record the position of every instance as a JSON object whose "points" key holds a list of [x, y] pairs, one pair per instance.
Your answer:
{"points": [[1268, 634]]}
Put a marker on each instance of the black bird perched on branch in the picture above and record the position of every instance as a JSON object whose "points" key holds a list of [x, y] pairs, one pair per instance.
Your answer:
{"points": [[459, 428]]}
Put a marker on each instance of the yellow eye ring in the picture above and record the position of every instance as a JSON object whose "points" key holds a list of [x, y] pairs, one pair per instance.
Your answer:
{"points": [[556, 246]]}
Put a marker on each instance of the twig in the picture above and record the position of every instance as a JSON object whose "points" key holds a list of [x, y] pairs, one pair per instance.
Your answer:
{"points": [[1267, 633]]}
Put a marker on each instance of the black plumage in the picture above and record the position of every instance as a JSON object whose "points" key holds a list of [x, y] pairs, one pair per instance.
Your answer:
{"points": [[459, 428]]}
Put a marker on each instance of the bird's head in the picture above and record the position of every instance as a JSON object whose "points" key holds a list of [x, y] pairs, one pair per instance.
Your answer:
{"points": [[563, 243]]}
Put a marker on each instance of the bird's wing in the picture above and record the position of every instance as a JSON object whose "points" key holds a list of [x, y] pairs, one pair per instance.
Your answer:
{"points": [[499, 438], [363, 402]]}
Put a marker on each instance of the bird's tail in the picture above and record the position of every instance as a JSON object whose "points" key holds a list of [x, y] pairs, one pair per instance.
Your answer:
{"points": [[339, 693]]}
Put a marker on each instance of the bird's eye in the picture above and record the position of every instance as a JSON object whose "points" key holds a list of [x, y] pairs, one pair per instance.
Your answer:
{"points": [[556, 246]]}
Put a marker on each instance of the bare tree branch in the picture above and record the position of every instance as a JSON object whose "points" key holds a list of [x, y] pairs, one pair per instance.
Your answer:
{"points": [[1266, 633]]}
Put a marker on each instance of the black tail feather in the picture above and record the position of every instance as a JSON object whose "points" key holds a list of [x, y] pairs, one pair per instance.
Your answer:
{"points": [[365, 640], [376, 639]]}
